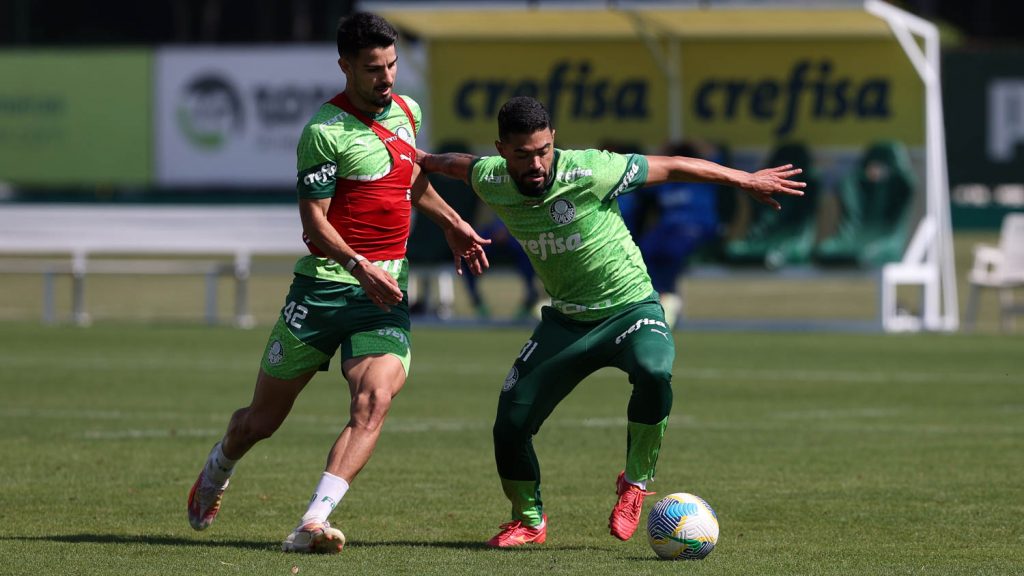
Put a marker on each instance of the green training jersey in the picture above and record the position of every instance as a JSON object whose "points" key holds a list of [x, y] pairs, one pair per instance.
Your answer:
{"points": [[574, 234], [336, 145]]}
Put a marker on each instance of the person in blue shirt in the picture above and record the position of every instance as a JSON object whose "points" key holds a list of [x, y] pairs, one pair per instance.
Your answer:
{"points": [[669, 223]]}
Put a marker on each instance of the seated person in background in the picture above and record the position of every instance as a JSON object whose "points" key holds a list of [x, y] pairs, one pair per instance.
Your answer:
{"points": [[876, 198], [776, 238], [670, 222]]}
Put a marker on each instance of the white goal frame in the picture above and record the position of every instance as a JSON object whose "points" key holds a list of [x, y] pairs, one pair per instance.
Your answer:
{"points": [[928, 260]]}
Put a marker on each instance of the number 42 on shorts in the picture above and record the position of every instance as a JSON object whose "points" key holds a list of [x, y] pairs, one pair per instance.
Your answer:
{"points": [[294, 314]]}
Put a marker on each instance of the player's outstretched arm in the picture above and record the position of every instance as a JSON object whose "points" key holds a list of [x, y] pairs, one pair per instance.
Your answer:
{"points": [[761, 185], [453, 164], [462, 239]]}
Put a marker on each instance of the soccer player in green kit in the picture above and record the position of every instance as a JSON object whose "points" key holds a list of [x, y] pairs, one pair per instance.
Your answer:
{"points": [[560, 206], [357, 182]]}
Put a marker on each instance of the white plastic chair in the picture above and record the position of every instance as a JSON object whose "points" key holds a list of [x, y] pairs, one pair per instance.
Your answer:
{"points": [[917, 267], [1001, 268]]}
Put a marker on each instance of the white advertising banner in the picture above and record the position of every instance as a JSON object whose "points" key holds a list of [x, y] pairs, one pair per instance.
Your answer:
{"points": [[233, 116]]}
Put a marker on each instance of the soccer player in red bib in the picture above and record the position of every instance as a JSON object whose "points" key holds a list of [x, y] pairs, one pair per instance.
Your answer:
{"points": [[357, 183]]}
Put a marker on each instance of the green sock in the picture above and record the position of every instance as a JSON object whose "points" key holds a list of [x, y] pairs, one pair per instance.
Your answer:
{"points": [[525, 498], [643, 448]]}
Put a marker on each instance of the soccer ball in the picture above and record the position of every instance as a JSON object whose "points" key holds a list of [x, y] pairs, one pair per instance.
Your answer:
{"points": [[682, 526]]}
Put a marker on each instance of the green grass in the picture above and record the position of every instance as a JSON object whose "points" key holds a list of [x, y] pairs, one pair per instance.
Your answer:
{"points": [[822, 454]]}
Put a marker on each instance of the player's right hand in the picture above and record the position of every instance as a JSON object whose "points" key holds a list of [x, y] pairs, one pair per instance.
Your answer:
{"points": [[763, 183], [380, 287]]}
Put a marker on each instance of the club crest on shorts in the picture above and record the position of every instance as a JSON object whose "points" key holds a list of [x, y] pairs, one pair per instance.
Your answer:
{"points": [[510, 380], [562, 211], [275, 353]]}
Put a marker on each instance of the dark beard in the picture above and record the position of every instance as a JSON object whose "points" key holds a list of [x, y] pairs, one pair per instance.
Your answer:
{"points": [[532, 192], [537, 192]]}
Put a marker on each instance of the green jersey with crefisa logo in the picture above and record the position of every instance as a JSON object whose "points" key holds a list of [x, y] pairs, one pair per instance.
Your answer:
{"points": [[574, 234]]}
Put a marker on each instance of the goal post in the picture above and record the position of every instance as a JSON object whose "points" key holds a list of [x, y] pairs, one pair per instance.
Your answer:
{"points": [[928, 260]]}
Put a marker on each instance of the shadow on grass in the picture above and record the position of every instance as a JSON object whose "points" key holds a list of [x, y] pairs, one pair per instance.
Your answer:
{"points": [[144, 539], [454, 545], [262, 545], [474, 545]]}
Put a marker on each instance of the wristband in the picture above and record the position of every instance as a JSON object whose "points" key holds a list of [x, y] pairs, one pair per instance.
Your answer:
{"points": [[352, 263]]}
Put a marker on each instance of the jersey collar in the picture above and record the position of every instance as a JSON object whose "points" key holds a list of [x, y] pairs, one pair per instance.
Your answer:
{"points": [[384, 113]]}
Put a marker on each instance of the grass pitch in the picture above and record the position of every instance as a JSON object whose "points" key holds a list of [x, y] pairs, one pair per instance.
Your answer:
{"points": [[822, 454]]}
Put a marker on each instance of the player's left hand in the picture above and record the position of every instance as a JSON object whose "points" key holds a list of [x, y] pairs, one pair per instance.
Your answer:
{"points": [[763, 183], [468, 246]]}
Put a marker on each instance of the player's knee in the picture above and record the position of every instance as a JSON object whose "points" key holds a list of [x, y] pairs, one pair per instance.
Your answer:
{"points": [[653, 372], [651, 400], [510, 429], [652, 384]]}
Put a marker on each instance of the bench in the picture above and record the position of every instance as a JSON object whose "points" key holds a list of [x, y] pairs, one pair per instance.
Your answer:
{"points": [[82, 239], [217, 241]]}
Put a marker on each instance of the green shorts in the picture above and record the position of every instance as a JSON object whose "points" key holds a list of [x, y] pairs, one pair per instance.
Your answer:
{"points": [[321, 316], [562, 352]]}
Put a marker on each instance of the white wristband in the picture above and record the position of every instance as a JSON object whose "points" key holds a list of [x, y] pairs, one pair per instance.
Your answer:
{"points": [[352, 262]]}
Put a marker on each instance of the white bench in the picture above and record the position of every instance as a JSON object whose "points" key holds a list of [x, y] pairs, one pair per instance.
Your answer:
{"points": [[82, 239]]}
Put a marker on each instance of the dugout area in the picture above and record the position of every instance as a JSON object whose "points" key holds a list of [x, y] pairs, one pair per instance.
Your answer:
{"points": [[838, 80]]}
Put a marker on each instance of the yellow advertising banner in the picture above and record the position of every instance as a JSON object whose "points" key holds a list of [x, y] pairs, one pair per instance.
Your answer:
{"points": [[595, 91], [835, 93], [746, 94]]}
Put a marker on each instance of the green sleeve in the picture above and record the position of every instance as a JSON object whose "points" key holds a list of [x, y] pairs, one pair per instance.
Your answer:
{"points": [[633, 177], [472, 168], [317, 167]]}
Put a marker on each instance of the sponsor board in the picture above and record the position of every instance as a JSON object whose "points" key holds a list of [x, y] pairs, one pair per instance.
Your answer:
{"points": [[832, 93], [984, 135], [594, 91], [80, 117], [746, 94], [233, 116]]}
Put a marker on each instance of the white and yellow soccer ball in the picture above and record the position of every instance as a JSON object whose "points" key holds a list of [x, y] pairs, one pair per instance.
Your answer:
{"points": [[682, 526]]}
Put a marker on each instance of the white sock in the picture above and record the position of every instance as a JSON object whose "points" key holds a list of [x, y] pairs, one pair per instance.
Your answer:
{"points": [[641, 484], [329, 493], [218, 466]]}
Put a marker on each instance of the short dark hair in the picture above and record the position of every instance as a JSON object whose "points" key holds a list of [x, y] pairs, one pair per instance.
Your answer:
{"points": [[522, 115], [364, 30]]}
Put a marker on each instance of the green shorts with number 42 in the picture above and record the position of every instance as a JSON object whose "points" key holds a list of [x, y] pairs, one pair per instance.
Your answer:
{"points": [[321, 316]]}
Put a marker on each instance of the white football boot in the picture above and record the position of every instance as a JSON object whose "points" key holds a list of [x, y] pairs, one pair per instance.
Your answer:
{"points": [[314, 538]]}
